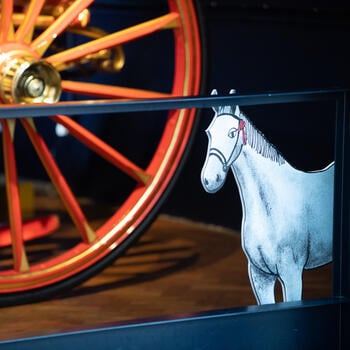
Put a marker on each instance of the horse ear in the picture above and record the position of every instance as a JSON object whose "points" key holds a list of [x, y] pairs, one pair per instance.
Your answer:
{"points": [[213, 93], [237, 111]]}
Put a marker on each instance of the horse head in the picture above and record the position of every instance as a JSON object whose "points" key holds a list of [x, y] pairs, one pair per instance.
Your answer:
{"points": [[226, 137]]}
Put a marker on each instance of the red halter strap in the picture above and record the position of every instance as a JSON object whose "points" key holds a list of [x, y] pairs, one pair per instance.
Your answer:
{"points": [[241, 127]]}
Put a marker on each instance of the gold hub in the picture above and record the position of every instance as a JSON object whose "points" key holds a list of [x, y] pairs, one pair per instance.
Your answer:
{"points": [[24, 79]]}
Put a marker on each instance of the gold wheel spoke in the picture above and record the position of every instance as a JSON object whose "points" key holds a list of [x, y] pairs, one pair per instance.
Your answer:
{"points": [[41, 21], [102, 149], [117, 38], [25, 31], [108, 91], [44, 40], [6, 29], [59, 182], [13, 199]]}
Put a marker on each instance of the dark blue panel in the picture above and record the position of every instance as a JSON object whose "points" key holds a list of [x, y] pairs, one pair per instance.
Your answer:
{"points": [[345, 334], [301, 325]]}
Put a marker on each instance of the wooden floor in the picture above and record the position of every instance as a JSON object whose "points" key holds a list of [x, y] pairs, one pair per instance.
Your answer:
{"points": [[178, 267]]}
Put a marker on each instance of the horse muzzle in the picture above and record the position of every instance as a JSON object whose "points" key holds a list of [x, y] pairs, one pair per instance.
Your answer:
{"points": [[213, 175]]}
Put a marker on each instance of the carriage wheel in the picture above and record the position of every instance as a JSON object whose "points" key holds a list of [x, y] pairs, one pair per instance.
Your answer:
{"points": [[33, 68]]}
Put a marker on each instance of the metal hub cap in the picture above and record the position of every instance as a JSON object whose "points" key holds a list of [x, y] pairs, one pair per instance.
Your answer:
{"points": [[26, 80]]}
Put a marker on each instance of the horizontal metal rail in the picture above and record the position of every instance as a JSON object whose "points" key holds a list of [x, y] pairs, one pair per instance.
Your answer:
{"points": [[142, 105]]}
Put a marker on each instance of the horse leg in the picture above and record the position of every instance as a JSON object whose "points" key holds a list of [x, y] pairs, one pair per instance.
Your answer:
{"points": [[290, 271], [290, 275], [263, 284]]}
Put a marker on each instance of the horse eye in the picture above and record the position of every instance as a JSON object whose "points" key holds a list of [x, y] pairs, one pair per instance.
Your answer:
{"points": [[232, 133]]}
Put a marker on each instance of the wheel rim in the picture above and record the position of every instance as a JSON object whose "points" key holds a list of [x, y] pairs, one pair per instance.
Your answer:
{"points": [[27, 52]]}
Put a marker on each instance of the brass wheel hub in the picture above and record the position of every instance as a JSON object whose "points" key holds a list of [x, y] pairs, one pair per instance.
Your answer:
{"points": [[25, 79]]}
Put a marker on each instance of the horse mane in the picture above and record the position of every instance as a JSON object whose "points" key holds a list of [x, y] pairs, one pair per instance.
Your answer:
{"points": [[257, 141]]}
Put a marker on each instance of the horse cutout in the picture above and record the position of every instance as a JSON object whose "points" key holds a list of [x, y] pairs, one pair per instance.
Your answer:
{"points": [[287, 213]]}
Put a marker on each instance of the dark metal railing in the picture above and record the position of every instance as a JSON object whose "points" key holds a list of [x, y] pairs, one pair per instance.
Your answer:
{"points": [[118, 106], [312, 324]]}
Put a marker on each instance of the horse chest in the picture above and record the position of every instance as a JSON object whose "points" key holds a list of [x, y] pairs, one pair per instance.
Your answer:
{"points": [[268, 217], [273, 217]]}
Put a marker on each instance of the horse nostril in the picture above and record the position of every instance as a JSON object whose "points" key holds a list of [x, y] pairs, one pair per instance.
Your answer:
{"points": [[218, 178], [206, 182]]}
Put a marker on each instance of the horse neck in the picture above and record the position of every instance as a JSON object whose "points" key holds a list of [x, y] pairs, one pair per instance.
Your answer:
{"points": [[254, 171]]}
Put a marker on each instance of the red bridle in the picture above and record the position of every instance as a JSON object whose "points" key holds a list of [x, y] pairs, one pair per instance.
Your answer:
{"points": [[241, 127]]}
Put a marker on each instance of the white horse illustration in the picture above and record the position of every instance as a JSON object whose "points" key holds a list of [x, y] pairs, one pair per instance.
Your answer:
{"points": [[287, 213]]}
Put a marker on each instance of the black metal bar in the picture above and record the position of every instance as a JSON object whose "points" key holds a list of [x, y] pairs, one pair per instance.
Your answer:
{"points": [[341, 234], [288, 326], [338, 194], [341, 241], [118, 106], [345, 244]]}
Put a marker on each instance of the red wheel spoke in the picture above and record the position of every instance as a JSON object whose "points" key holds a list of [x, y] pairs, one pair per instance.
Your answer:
{"points": [[108, 91], [103, 149], [13, 200], [6, 29], [44, 40], [59, 182], [117, 38], [25, 31]]}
